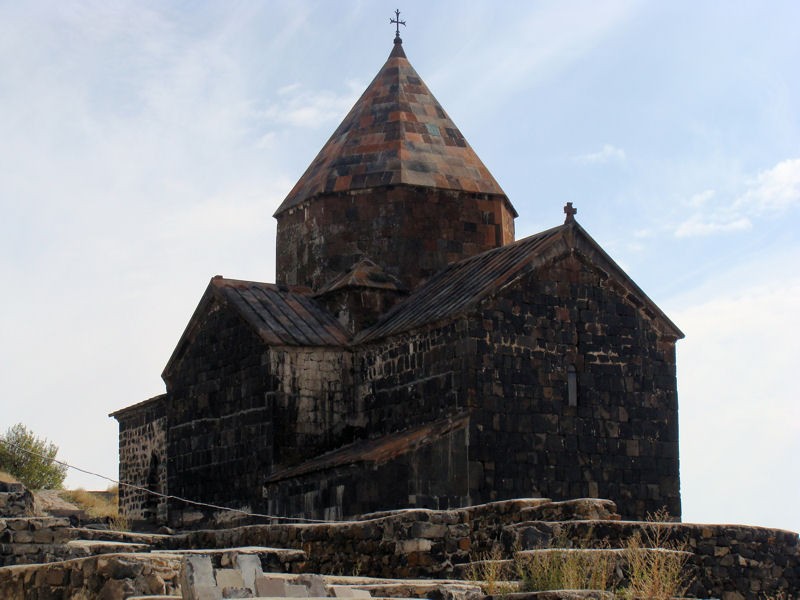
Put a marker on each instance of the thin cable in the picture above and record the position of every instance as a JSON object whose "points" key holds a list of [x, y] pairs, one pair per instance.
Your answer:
{"points": [[160, 495]]}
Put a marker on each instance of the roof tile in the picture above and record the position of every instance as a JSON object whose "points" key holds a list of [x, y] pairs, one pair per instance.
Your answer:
{"points": [[281, 316], [397, 116]]}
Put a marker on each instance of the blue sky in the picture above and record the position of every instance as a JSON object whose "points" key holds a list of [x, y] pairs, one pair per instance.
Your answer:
{"points": [[145, 146]]}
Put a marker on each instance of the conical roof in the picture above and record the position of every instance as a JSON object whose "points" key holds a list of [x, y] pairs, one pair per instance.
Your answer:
{"points": [[396, 133]]}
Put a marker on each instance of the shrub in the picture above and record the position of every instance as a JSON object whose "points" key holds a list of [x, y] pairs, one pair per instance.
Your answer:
{"points": [[30, 459]]}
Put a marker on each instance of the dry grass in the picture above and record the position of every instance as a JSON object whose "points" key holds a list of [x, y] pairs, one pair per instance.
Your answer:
{"points": [[7, 477], [492, 574], [561, 568], [98, 506], [657, 565]]}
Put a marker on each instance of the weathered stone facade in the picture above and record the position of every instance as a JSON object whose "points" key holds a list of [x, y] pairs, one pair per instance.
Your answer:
{"points": [[414, 232], [412, 354], [15, 500], [143, 451]]}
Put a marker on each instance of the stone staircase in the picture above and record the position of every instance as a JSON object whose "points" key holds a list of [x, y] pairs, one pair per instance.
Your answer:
{"points": [[435, 555]]}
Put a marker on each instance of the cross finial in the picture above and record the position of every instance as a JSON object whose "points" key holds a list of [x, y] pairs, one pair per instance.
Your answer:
{"points": [[570, 212], [398, 22]]}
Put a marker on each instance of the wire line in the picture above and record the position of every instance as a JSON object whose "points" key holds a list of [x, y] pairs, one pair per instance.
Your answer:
{"points": [[165, 496]]}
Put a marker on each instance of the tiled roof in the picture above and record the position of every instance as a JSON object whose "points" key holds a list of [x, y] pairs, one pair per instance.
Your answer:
{"points": [[363, 274], [377, 451], [396, 133], [460, 285], [281, 317]]}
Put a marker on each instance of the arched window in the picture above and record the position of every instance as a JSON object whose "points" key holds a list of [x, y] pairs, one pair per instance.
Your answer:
{"points": [[572, 386]]}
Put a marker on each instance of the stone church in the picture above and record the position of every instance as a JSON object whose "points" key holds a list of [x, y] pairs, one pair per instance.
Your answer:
{"points": [[411, 353]]}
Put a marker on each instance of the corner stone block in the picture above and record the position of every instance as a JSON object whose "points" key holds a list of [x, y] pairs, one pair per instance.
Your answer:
{"points": [[296, 591], [250, 567], [345, 591], [269, 587], [229, 578], [315, 584], [197, 578]]}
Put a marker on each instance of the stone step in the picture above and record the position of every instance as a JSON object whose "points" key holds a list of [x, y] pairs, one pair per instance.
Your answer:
{"points": [[615, 552], [452, 589], [224, 557], [504, 572], [329, 597], [112, 535], [580, 509], [83, 548], [556, 595]]}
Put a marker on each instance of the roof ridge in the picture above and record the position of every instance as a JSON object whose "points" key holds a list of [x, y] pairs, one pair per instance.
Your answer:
{"points": [[437, 299]]}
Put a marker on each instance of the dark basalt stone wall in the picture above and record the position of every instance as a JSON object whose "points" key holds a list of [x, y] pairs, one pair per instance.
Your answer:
{"points": [[507, 365], [220, 431], [410, 232], [412, 378], [142, 460], [432, 476], [237, 411], [619, 440]]}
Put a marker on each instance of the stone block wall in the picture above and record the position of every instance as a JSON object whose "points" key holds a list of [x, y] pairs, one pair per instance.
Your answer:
{"points": [[34, 540], [729, 562], [432, 475], [412, 378], [618, 439], [312, 406], [15, 500], [113, 576], [143, 460], [410, 232], [220, 438]]}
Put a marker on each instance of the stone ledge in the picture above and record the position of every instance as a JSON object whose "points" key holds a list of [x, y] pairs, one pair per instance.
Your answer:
{"points": [[556, 595]]}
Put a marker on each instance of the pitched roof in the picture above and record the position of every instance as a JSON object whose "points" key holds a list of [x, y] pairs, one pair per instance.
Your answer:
{"points": [[378, 451], [396, 133], [463, 284], [460, 285], [279, 315], [363, 274]]}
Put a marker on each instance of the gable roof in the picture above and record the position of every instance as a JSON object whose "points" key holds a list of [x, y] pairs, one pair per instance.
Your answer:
{"points": [[378, 450], [363, 274], [462, 285], [278, 315], [396, 133]]}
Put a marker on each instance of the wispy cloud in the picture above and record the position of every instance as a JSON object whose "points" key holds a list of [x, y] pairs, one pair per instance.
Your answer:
{"points": [[774, 190], [770, 193], [607, 154], [702, 198], [700, 225], [299, 107]]}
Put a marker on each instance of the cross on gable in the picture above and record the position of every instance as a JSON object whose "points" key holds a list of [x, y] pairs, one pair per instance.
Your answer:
{"points": [[570, 212], [398, 22]]}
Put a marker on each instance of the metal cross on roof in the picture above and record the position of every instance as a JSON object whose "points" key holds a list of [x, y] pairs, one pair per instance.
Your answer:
{"points": [[398, 22], [570, 212]]}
